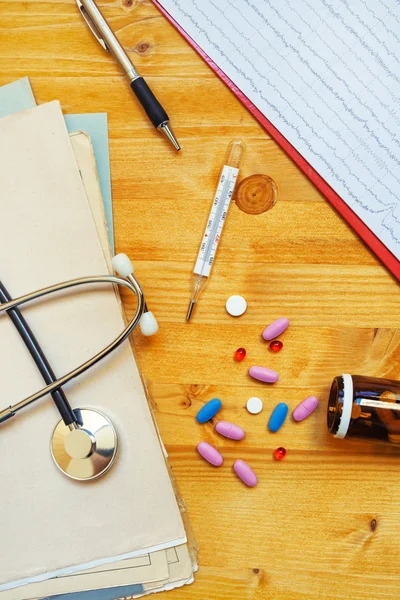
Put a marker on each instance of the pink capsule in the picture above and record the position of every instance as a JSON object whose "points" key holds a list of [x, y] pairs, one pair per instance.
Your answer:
{"points": [[264, 374], [305, 408], [275, 329], [210, 454], [229, 430], [245, 473]]}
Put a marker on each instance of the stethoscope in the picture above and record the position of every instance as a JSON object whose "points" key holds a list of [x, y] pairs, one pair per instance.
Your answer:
{"points": [[84, 443]]}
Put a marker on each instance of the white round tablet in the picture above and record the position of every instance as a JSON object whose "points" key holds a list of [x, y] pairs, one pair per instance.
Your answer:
{"points": [[236, 305], [254, 405]]}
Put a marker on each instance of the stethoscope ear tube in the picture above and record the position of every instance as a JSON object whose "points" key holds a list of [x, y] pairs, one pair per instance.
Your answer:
{"points": [[34, 349], [131, 283]]}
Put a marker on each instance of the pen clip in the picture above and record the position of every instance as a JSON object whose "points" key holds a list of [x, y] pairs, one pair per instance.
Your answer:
{"points": [[92, 26]]}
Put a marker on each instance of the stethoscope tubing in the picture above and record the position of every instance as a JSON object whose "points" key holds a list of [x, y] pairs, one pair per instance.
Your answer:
{"points": [[41, 361], [130, 282]]}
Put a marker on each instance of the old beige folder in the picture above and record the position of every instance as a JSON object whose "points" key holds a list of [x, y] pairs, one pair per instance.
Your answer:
{"points": [[47, 234]]}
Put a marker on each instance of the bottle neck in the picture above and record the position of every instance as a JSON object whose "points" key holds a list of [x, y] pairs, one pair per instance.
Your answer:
{"points": [[340, 405]]}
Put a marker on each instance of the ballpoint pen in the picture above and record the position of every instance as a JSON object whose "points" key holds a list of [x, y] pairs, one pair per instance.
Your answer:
{"points": [[109, 42]]}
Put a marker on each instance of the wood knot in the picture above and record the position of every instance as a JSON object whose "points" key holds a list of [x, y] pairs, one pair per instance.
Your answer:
{"points": [[127, 3], [256, 194], [262, 579], [373, 524], [187, 403], [142, 48], [195, 390]]}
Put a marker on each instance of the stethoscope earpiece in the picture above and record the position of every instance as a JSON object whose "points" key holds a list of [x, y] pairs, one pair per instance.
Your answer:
{"points": [[122, 264], [148, 324]]}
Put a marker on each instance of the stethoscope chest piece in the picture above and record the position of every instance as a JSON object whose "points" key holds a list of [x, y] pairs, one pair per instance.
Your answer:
{"points": [[88, 451]]}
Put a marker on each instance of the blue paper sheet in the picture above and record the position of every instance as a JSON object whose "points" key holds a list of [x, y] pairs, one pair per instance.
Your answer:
{"points": [[16, 96], [107, 594]]}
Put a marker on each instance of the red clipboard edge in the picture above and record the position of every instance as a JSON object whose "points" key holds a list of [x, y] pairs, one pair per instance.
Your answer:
{"points": [[381, 251]]}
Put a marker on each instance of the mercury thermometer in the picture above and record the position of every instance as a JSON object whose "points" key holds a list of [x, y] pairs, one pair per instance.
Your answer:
{"points": [[215, 223]]}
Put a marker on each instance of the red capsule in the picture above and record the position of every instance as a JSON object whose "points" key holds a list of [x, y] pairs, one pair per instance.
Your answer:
{"points": [[240, 354], [276, 346], [280, 453]]}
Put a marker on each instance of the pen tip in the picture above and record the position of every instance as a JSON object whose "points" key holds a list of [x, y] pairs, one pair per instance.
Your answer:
{"points": [[168, 133]]}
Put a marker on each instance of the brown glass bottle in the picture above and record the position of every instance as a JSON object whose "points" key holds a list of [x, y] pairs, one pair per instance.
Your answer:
{"points": [[365, 407]]}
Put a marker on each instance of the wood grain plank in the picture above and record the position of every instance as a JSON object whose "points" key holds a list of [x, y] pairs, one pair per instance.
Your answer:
{"points": [[323, 523], [312, 356], [266, 238], [309, 295]]}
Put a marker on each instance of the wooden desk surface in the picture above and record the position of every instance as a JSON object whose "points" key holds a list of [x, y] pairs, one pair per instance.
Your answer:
{"points": [[325, 522]]}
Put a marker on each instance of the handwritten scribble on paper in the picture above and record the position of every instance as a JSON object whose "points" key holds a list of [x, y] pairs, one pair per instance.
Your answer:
{"points": [[326, 73]]}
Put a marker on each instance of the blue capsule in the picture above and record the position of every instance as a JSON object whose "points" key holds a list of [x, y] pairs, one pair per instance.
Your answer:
{"points": [[209, 410], [278, 417]]}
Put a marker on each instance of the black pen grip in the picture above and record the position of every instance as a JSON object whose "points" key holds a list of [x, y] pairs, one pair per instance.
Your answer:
{"points": [[151, 105]]}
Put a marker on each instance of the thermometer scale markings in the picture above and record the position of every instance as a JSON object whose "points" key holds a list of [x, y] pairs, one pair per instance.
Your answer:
{"points": [[216, 220]]}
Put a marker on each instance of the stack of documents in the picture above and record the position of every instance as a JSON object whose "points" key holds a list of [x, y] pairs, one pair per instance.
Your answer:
{"points": [[122, 534]]}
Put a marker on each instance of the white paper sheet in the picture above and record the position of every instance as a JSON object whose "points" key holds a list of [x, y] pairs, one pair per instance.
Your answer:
{"points": [[327, 75]]}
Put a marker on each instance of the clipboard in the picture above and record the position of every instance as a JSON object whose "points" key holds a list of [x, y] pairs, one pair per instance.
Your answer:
{"points": [[374, 243]]}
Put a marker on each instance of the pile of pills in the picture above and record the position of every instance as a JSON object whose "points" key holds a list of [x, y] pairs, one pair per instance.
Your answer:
{"points": [[272, 331], [228, 430], [254, 405]]}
